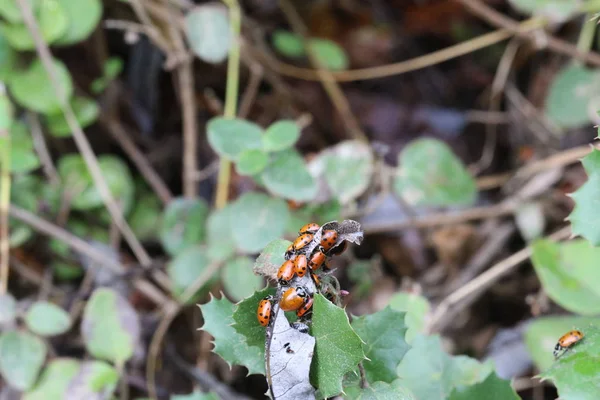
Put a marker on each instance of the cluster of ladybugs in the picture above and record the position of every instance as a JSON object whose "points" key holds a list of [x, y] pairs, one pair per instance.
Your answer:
{"points": [[298, 263]]}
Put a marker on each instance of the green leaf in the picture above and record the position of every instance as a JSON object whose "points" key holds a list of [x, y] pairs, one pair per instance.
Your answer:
{"points": [[52, 22], [288, 44], [584, 217], [110, 326], [571, 93], [8, 59], [23, 193], [329, 54], [569, 274], [92, 379], [195, 395], [47, 319], [186, 267], [492, 388], [110, 70], [10, 10], [219, 236], [21, 358], [256, 220], [543, 333], [33, 89], [338, 350], [76, 177], [8, 310], [251, 162], [229, 344], [230, 137], [281, 135], [383, 332], [429, 174], [54, 380], [416, 307], [348, 169], [23, 156], [380, 391], [246, 323], [576, 373], [431, 374], [83, 17], [6, 114], [145, 218], [239, 280], [208, 32], [86, 113], [271, 258], [556, 11], [183, 224], [288, 177]]}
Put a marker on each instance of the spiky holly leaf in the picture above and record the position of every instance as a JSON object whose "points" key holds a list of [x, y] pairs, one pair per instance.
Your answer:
{"points": [[383, 333], [541, 335], [585, 218], [380, 391], [246, 323], [229, 344], [569, 274], [338, 350], [492, 388], [576, 373]]}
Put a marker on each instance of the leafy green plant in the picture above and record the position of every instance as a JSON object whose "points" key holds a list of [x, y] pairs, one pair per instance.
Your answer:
{"points": [[329, 54], [367, 357], [23, 353]]}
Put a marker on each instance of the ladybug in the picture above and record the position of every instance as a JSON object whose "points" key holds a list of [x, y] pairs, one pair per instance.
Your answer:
{"points": [[337, 250], [263, 313], [293, 299], [311, 228], [300, 265], [328, 239], [567, 340], [286, 272], [316, 279], [300, 242], [317, 259], [305, 307]]}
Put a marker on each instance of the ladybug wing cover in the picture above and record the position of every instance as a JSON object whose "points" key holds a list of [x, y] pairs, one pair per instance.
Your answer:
{"points": [[288, 359]]}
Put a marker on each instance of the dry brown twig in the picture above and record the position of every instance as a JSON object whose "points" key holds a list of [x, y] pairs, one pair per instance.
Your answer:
{"points": [[332, 88], [168, 316], [447, 309], [146, 169], [401, 67], [500, 78], [500, 20], [39, 143], [82, 247]]}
